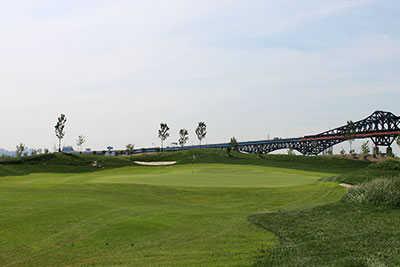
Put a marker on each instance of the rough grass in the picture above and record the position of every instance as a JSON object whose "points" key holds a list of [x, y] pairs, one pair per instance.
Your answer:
{"points": [[338, 234], [362, 230], [380, 170], [379, 192]]}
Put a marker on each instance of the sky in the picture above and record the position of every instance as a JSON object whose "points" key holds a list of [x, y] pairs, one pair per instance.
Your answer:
{"points": [[249, 69]]}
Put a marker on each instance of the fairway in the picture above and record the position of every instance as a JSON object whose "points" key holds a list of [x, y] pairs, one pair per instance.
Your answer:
{"points": [[183, 215]]}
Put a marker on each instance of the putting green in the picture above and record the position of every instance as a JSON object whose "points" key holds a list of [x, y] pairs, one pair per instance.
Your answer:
{"points": [[209, 175], [198, 175]]}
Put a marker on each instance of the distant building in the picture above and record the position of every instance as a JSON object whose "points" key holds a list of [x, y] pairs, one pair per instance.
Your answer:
{"points": [[68, 149]]}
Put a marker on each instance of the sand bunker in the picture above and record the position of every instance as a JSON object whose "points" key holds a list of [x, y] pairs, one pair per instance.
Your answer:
{"points": [[155, 163]]}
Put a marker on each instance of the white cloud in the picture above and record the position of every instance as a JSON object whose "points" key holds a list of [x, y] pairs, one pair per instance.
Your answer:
{"points": [[118, 68]]}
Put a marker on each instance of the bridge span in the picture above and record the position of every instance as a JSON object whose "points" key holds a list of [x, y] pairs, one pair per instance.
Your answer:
{"points": [[381, 127]]}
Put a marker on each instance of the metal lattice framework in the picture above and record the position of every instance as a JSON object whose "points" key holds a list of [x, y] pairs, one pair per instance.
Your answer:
{"points": [[382, 127]]}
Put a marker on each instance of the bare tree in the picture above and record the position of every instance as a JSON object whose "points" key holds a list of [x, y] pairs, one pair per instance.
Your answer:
{"points": [[183, 137], [365, 149], [201, 131], [80, 141], [163, 133], [60, 129], [20, 150], [130, 148]]}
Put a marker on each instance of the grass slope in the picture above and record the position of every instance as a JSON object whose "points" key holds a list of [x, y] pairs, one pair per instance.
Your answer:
{"points": [[331, 164], [381, 170]]}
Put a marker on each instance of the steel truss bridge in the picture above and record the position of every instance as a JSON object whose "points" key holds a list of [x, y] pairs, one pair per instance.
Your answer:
{"points": [[381, 126]]}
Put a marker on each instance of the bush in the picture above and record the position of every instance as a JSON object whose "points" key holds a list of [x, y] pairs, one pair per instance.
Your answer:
{"points": [[379, 192]]}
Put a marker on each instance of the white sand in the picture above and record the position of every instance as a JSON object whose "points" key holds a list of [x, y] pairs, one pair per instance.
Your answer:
{"points": [[348, 186], [156, 163]]}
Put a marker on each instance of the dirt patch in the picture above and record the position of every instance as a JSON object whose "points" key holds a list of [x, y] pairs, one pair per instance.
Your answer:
{"points": [[348, 186]]}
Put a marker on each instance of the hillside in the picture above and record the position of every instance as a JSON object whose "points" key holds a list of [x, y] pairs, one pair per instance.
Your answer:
{"points": [[65, 163]]}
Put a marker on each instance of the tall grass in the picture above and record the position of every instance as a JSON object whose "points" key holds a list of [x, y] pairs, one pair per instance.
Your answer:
{"points": [[379, 192]]}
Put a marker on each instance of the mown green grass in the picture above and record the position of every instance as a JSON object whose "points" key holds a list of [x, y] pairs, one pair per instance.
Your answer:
{"points": [[60, 211], [210, 175]]}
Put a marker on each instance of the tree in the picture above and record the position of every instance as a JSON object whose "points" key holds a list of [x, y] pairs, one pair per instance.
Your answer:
{"points": [[342, 152], [183, 137], [201, 131], [163, 133], [234, 144], [110, 149], [130, 148], [291, 152], [350, 131], [60, 129], [365, 148], [229, 150], [20, 149], [398, 140], [80, 141]]}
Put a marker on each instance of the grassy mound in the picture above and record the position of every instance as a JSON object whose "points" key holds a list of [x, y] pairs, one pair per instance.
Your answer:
{"points": [[378, 192], [380, 170], [321, 163], [59, 163]]}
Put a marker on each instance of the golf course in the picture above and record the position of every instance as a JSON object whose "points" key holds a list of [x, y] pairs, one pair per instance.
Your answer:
{"points": [[210, 209]]}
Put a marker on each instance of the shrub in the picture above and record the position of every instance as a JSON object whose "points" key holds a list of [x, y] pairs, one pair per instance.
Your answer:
{"points": [[379, 192]]}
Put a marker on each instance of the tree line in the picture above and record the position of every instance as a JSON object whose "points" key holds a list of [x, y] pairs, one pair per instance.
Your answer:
{"points": [[200, 131]]}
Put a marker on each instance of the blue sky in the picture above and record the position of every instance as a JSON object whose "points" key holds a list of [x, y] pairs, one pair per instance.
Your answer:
{"points": [[248, 68]]}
